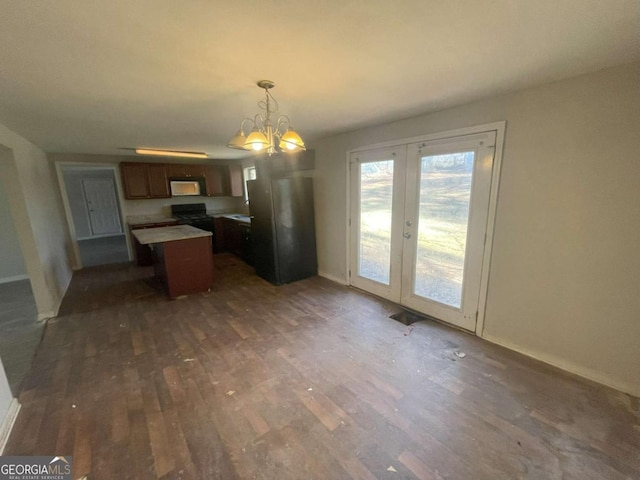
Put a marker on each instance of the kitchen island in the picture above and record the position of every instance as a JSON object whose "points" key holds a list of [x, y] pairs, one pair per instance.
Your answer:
{"points": [[182, 257]]}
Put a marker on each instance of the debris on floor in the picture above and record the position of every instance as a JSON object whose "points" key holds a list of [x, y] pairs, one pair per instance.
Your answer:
{"points": [[460, 354], [391, 469], [189, 360], [408, 330], [310, 389], [230, 392]]}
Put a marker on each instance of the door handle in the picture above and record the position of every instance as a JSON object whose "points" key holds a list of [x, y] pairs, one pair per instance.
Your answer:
{"points": [[406, 235]]}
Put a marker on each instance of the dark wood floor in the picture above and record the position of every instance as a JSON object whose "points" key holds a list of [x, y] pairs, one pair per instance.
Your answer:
{"points": [[309, 380]]}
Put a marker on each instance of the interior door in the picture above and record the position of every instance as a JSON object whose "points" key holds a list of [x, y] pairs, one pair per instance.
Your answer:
{"points": [[418, 224], [102, 204]]}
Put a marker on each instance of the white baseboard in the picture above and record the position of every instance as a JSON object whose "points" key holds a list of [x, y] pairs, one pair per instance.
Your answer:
{"points": [[15, 278], [595, 376], [333, 278], [7, 423], [45, 316]]}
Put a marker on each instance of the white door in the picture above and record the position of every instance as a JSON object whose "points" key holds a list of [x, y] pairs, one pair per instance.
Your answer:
{"points": [[418, 223], [377, 178], [102, 204]]}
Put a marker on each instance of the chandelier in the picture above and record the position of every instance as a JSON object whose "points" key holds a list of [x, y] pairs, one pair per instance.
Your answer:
{"points": [[264, 133]]}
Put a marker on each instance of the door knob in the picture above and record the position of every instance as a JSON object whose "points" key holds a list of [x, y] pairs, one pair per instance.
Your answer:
{"points": [[406, 235]]}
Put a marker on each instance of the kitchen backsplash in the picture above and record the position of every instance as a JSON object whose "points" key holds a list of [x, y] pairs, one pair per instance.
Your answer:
{"points": [[162, 206]]}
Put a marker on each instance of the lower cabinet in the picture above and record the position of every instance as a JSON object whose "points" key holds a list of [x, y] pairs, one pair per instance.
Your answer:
{"points": [[232, 237], [235, 237], [184, 266]]}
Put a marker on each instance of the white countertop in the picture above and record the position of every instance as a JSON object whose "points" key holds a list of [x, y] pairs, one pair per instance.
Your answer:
{"points": [[238, 217], [168, 234]]}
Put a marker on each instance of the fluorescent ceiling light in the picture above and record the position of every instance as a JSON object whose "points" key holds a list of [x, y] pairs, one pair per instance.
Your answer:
{"points": [[170, 153]]}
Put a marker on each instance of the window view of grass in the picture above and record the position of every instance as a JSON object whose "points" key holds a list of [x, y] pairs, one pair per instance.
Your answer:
{"points": [[445, 190], [376, 194], [445, 193]]}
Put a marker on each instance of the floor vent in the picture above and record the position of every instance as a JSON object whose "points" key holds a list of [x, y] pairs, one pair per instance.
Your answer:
{"points": [[407, 317]]}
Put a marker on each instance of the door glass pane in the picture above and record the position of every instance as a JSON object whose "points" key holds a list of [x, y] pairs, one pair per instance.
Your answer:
{"points": [[445, 193], [376, 194]]}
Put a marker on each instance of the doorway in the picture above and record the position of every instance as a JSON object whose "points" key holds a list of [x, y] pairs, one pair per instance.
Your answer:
{"points": [[420, 216], [94, 208], [20, 332]]}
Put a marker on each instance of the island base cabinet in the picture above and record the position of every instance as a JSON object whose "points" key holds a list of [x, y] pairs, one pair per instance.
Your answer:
{"points": [[184, 266]]}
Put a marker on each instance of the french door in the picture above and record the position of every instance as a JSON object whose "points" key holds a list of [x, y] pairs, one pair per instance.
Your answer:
{"points": [[419, 221]]}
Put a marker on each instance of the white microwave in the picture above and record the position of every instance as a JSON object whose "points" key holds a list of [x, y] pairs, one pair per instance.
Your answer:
{"points": [[187, 187]]}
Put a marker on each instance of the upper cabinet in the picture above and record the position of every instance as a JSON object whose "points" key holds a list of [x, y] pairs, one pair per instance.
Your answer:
{"points": [[144, 180], [184, 171], [235, 187], [224, 181], [214, 177], [151, 180], [158, 181]]}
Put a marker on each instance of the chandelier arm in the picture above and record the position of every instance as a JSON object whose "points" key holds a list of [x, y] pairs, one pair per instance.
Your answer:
{"points": [[258, 120], [282, 121], [244, 120]]}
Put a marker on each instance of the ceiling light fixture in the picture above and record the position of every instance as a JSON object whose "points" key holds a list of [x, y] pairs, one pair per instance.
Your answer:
{"points": [[264, 133], [170, 153]]}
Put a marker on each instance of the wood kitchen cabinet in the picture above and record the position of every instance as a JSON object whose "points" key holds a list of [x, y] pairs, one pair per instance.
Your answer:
{"points": [[232, 236], [158, 181], [224, 181], [214, 178], [184, 266], [144, 180], [186, 171], [151, 180], [235, 237], [234, 185]]}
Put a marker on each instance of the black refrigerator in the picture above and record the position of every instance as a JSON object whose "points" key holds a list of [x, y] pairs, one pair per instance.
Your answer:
{"points": [[283, 228]]}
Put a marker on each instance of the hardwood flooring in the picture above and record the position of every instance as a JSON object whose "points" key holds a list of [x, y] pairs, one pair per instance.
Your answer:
{"points": [[307, 380]]}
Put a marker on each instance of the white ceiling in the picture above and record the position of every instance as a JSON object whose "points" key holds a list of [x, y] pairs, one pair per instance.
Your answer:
{"points": [[93, 76]]}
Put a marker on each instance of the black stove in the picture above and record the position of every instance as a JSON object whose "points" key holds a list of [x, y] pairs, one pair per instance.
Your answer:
{"points": [[194, 214]]}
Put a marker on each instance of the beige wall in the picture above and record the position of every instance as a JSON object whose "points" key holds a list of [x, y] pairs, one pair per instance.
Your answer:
{"points": [[31, 187], [11, 263], [565, 270]]}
